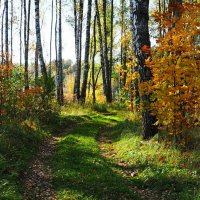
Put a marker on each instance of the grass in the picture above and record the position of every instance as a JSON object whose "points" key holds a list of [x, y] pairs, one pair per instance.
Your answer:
{"points": [[131, 165], [17, 145], [19, 141], [121, 167], [79, 170]]}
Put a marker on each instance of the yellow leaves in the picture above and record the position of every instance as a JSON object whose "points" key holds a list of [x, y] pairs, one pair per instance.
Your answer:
{"points": [[175, 84], [29, 123]]}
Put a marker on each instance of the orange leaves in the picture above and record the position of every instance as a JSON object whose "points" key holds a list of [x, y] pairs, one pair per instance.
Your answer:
{"points": [[146, 49], [175, 65], [5, 70], [30, 91]]}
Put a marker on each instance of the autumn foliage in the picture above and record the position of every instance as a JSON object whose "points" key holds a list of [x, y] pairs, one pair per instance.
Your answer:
{"points": [[175, 64], [16, 102]]}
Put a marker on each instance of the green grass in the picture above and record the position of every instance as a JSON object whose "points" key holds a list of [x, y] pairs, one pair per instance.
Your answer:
{"points": [[19, 141], [80, 172], [17, 145], [79, 169], [164, 170]]}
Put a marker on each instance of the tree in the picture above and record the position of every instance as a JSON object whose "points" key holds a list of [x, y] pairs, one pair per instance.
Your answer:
{"points": [[6, 33], [87, 48], [140, 18], [60, 97], [51, 35], [11, 31], [26, 41], [93, 61], [20, 34], [101, 48], [111, 48], [2, 36], [39, 43], [175, 65], [78, 16], [106, 61]]}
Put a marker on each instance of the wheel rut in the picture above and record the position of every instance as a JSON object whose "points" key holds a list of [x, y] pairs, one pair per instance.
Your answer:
{"points": [[38, 178]]}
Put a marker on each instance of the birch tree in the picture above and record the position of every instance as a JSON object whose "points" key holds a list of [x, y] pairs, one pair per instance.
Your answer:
{"points": [[87, 48]]}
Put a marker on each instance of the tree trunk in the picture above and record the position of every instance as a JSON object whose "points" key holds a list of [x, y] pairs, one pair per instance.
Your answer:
{"points": [[111, 49], [141, 38], [2, 36], [51, 35], [20, 34], [134, 90], [36, 65], [11, 32], [6, 34], [93, 62], [39, 43], [106, 62], [101, 49], [60, 67], [87, 48], [26, 40], [78, 51], [56, 52]]}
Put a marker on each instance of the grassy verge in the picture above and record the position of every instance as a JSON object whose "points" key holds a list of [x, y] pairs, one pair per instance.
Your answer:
{"points": [[170, 172]]}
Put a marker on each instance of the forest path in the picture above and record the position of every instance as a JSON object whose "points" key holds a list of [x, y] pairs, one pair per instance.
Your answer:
{"points": [[38, 178], [79, 169], [79, 163]]}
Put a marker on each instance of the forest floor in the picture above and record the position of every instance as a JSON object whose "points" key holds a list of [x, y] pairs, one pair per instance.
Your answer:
{"points": [[100, 155]]}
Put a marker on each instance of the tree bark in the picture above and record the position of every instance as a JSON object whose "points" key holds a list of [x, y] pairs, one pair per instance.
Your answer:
{"points": [[39, 43], [111, 48], [93, 62], [11, 32], [51, 35], [140, 12], [78, 48], [2, 36], [60, 67], [6, 33], [20, 34], [87, 48], [36, 66], [101, 48], [26, 40], [106, 62]]}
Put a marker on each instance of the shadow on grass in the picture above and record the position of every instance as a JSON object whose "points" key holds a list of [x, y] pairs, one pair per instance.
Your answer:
{"points": [[122, 128], [81, 173]]}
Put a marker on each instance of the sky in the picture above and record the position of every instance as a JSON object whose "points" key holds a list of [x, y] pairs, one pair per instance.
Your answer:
{"points": [[67, 34]]}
